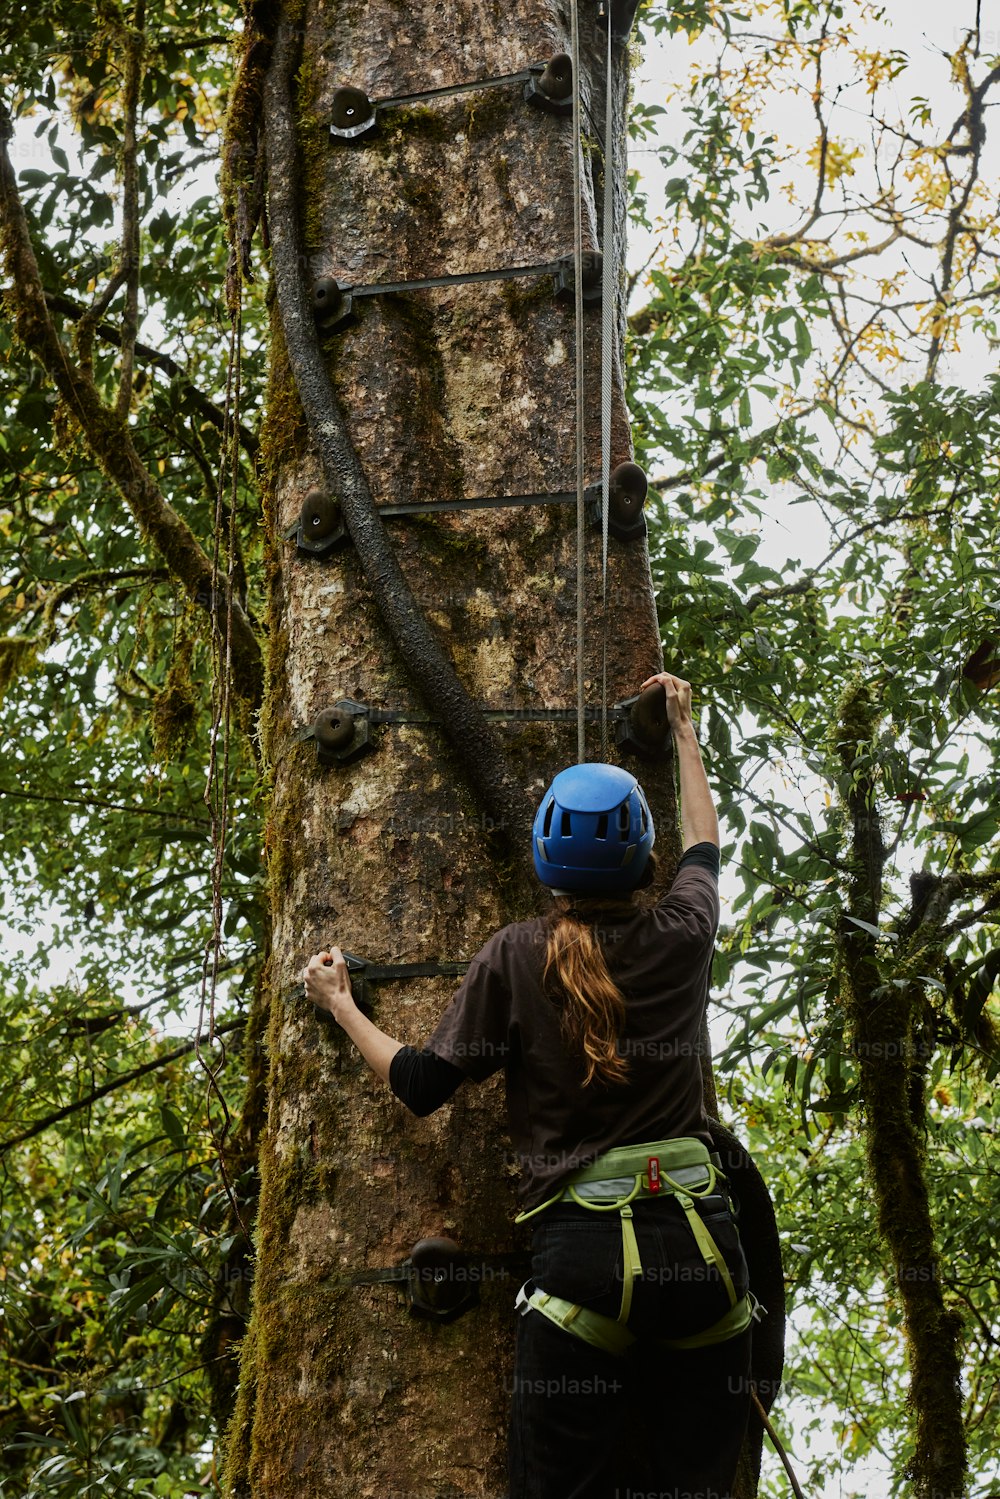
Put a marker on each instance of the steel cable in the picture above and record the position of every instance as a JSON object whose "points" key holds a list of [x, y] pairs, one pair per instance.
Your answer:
{"points": [[609, 282], [581, 513]]}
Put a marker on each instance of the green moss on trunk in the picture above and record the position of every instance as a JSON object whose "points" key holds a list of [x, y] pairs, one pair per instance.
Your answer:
{"points": [[884, 1016]]}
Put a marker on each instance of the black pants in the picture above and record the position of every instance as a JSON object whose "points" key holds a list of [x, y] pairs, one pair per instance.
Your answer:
{"points": [[657, 1422]]}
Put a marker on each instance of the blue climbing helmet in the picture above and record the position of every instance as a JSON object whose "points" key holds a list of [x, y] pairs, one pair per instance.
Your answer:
{"points": [[593, 831]]}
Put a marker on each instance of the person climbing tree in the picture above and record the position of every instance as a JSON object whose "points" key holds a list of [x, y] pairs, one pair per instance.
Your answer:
{"points": [[595, 1013]]}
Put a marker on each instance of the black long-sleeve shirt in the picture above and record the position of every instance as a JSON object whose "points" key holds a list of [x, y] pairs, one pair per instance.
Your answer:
{"points": [[424, 1080]]}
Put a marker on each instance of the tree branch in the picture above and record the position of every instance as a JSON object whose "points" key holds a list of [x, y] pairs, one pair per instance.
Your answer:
{"points": [[740, 788], [783, 241], [103, 578], [135, 46], [754, 444], [122, 1081], [91, 1025], [832, 263], [885, 1025], [973, 122], [107, 434], [155, 358], [163, 813]]}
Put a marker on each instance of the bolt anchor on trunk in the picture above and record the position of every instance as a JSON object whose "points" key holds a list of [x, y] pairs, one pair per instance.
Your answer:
{"points": [[552, 89], [441, 1281], [341, 733], [332, 304], [352, 113], [627, 487], [440, 1287], [591, 270], [645, 728], [320, 526]]}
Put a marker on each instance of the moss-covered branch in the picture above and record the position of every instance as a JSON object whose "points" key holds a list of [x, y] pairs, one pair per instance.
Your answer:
{"points": [[242, 157], [107, 433], [886, 1021]]}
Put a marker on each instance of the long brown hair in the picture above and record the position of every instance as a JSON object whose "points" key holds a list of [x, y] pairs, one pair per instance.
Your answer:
{"points": [[576, 978]]}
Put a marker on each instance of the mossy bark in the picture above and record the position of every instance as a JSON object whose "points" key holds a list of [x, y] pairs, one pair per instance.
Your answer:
{"points": [[886, 1015], [459, 392]]}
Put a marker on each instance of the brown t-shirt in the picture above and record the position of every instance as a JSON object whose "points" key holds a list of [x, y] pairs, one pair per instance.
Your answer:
{"points": [[661, 961]]}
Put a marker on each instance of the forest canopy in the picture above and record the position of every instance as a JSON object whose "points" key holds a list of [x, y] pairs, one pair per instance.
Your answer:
{"points": [[811, 362]]}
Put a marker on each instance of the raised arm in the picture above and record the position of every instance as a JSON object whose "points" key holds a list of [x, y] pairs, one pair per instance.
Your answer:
{"points": [[699, 822]]}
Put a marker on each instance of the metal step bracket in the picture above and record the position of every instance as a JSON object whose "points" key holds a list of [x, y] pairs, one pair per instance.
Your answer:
{"points": [[547, 86], [333, 304], [643, 729], [441, 1281], [440, 1287], [591, 267], [320, 526], [552, 89], [341, 733], [626, 497]]}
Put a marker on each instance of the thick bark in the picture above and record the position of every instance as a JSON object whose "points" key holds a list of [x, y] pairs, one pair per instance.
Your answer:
{"points": [[426, 663], [456, 392]]}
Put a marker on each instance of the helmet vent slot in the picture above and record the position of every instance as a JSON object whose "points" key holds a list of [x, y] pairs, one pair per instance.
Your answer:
{"points": [[602, 826], [547, 826], [623, 822], [567, 826]]}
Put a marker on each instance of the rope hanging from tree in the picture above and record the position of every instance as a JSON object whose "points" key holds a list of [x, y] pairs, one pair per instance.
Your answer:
{"points": [[218, 775]]}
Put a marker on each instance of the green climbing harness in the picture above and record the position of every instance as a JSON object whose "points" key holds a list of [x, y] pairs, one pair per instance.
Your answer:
{"points": [[683, 1169]]}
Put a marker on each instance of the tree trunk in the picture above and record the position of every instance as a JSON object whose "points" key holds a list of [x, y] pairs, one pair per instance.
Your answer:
{"points": [[455, 392]]}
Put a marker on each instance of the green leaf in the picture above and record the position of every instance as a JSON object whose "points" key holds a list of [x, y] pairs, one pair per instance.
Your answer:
{"points": [[865, 926]]}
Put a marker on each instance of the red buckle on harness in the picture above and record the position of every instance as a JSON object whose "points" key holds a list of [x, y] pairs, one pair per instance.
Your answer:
{"points": [[654, 1174]]}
